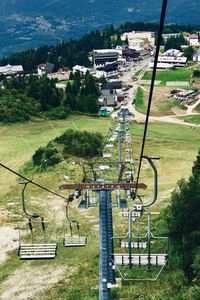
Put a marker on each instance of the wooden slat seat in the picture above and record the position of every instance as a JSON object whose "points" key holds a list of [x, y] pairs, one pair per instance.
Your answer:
{"points": [[111, 139], [74, 241], [129, 173], [135, 245], [122, 259], [109, 145], [38, 251], [106, 155]]}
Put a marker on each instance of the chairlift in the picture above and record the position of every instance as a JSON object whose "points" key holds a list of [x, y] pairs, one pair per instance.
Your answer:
{"points": [[104, 167], [121, 203], [34, 250], [148, 259], [71, 240]]}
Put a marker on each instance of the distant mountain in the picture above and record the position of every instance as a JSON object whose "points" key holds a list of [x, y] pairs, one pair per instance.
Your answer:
{"points": [[26, 23]]}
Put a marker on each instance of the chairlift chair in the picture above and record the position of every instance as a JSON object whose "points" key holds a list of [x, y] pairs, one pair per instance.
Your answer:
{"points": [[71, 240], [33, 251], [106, 155]]}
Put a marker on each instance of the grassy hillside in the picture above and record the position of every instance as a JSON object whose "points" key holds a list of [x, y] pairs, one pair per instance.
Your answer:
{"points": [[74, 273]]}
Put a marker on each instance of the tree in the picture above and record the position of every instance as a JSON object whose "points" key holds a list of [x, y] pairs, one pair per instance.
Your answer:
{"points": [[184, 220], [196, 166], [175, 42], [188, 52], [196, 73]]}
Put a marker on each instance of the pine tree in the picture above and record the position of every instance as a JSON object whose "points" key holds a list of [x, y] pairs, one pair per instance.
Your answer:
{"points": [[184, 220], [196, 166]]}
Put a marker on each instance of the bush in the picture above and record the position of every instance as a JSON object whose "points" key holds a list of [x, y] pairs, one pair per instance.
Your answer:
{"points": [[71, 143], [58, 113], [196, 73], [46, 157]]}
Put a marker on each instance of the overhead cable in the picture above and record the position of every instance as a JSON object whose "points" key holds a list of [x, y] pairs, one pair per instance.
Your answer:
{"points": [[36, 184], [159, 39]]}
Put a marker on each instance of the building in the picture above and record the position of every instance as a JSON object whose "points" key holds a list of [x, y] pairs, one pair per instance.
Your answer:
{"points": [[62, 74], [46, 68], [182, 94], [139, 35], [115, 85], [110, 69], [162, 66], [196, 56], [194, 40], [110, 98], [173, 52], [130, 54], [104, 56], [83, 70], [176, 61], [9, 70]]}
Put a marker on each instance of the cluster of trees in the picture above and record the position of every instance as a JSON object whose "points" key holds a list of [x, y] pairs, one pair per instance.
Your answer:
{"points": [[82, 93], [16, 107], [71, 143], [42, 89], [28, 96], [183, 217], [168, 28], [25, 97], [175, 42]]}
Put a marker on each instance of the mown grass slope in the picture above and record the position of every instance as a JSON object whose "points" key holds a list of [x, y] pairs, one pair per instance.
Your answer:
{"points": [[176, 145]]}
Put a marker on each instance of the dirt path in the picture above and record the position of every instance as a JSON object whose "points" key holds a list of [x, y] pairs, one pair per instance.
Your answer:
{"points": [[30, 282], [190, 108], [173, 119], [8, 241], [140, 118]]}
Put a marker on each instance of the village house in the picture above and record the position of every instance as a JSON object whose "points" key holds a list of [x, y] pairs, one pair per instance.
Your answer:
{"points": [[112, 85], [83, 70], [46, 68], [194, 40], [111, 98], [62, 74]]}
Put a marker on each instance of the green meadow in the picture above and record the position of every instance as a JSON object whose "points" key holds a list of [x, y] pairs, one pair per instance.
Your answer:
{"points": [[73, 274]]}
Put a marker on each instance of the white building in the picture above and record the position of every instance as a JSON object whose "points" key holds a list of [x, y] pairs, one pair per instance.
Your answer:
{"points": [[45, 68], [143, 35], [161, 66], [83, 70], [9, 70], [173, 52], [194, 40], [176, 61]]}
